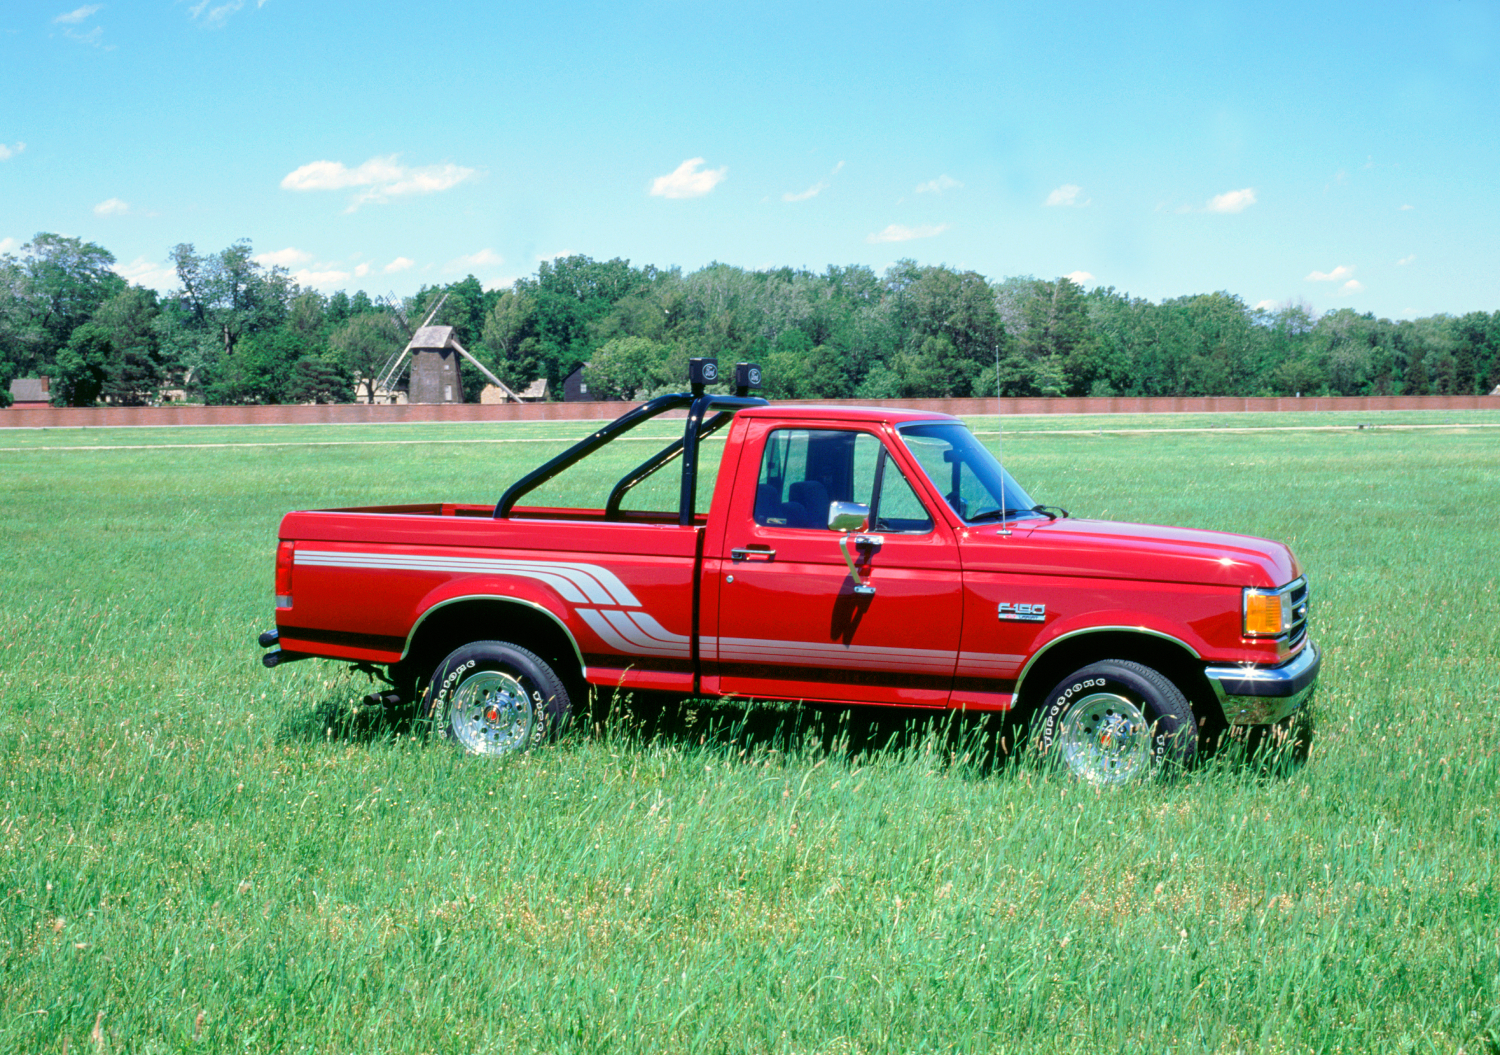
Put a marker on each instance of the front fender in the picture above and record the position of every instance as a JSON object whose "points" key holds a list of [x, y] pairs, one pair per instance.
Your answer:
{"points": [[1118, 620]]}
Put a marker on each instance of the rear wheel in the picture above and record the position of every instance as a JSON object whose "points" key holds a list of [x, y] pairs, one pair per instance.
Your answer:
{"points": [[1117, 721], [496, 699]]}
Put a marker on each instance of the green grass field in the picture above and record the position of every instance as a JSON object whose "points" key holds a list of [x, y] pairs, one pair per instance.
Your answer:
{"points": [[197, 854]]}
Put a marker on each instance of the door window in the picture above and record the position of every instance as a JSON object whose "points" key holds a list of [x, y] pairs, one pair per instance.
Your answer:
{"points": [[804, 471]]}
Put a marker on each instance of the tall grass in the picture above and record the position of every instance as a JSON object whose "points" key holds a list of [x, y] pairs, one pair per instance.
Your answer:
{"points": [[198, 854]]}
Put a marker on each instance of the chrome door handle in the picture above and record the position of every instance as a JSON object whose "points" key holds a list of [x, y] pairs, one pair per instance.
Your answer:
{"points": [[873, 542], [753, 554]]}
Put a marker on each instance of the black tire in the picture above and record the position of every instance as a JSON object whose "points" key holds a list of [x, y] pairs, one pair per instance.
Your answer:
{"points": [[495, 699], [1116, 721]]}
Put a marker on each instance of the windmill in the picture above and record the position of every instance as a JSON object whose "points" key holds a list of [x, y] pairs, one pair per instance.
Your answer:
{"points": [[434, 371]]}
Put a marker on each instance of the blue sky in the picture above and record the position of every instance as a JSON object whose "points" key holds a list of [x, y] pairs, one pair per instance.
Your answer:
{"points": [[1345, 154]]}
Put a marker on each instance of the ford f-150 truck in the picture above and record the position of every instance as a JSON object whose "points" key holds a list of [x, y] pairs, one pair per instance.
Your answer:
{"points": [[840, 555]]}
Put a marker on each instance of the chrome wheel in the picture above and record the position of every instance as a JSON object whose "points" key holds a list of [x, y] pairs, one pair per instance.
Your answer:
{"points": [[492, 714], [1105, 739]]}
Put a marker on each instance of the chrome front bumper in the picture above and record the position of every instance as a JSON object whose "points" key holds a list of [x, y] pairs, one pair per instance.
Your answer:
{"points": [[1253, 695]]}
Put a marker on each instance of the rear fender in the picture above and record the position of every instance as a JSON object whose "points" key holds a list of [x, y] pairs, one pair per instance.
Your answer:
{"points": [[496, 589]]}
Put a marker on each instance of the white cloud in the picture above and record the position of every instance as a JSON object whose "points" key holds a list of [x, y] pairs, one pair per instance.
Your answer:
{"points": [[143, 272], [72, 18], [215, 17], [288, 257], [401, 263], [500, 283], [1067, 194], [1341, 272], [1265, 305], [78, 16], [6, 153], [382, 177], [816, 189], [1407, 208], [361, 270], [306, 277], [1079, 277], [1232, 201], [111, 207], [937, 186], [688, 180], [899, 233], [483, 258], [7, 244], [1406, 260], [1352, 286]]}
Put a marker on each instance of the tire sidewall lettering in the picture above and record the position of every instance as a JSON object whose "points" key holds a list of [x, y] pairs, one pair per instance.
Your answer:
{"points": [[1171, 736], [546, 699]]}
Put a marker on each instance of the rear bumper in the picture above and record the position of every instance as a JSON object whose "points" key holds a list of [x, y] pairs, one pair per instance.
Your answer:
{"points": [[1261, 695]]}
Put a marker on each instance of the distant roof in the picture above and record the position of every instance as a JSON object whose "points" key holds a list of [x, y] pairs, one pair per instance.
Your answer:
{"points": [[30, 390], [432, 337], [536, 390]]}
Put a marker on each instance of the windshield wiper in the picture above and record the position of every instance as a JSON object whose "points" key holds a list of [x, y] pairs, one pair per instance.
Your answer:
{"points": [[1047, 511], [995, 514]]}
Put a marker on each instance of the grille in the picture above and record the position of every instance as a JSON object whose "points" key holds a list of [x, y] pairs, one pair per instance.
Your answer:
{"points": [[1297, 597]]}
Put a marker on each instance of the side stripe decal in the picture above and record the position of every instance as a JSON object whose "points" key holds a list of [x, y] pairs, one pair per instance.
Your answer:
{"points": [[639, 633], [577, 583]]}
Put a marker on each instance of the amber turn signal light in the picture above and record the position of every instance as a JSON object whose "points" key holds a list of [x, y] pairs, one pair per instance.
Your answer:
{"points": [[1263, 614]]}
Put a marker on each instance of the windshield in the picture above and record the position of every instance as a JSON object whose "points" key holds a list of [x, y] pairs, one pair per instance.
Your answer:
{"points": [[966, 473]]}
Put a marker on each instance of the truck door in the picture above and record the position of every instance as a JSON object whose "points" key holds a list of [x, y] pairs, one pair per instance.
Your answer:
{"points": [[793, 623]]}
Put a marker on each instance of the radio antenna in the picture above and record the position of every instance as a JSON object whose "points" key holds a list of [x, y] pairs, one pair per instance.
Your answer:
{"points": [[1000, 446]]}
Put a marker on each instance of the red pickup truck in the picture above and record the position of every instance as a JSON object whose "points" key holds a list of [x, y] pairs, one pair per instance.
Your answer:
{"points": [[841, 555]]}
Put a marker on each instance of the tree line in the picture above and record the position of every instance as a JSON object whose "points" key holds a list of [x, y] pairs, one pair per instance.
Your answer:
{"points": [[237, 331]]}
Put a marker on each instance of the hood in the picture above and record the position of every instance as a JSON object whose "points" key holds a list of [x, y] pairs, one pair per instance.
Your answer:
{"points": [[1110, 549]]}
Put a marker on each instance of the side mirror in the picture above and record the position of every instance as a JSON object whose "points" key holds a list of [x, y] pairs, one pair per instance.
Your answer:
{"points": [[848, 516]]}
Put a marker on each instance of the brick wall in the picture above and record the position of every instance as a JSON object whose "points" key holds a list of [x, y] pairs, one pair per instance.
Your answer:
{"points": [[360, 413]]}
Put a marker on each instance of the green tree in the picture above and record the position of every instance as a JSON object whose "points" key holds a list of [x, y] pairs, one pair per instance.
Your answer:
{"points": [[135, 373], [632, 368], [54, 286], [1057, 338], [504, 336], [83, 367], [363, 345], [568, 298], [227, 296], [261, 371], [935, 368], [318, 380]]}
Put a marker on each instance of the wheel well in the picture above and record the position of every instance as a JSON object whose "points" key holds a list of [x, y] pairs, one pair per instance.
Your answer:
{"points": [[491, 619], [1169, 657]]}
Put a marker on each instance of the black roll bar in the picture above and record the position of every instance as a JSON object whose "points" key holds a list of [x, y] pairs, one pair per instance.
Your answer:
{"points": [[650, 466], [697, 403]]}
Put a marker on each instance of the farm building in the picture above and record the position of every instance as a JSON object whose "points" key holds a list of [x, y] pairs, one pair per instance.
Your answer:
{"points": [[31, 391]]}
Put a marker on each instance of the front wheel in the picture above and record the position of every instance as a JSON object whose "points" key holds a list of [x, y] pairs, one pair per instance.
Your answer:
{"points": [[496, 699], [1117, 721]]}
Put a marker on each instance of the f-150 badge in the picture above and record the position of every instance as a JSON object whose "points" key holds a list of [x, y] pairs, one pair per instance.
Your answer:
{"points": [[1023, 613]]}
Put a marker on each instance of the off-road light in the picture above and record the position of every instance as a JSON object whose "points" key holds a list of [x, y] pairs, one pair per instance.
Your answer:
{"points": [[1267, 613], [702, 372], [746, 377]]}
